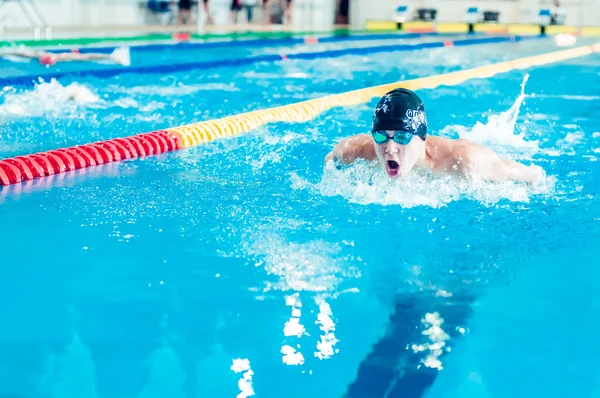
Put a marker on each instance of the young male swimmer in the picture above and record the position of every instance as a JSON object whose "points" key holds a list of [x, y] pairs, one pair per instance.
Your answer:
{"points": [[397, 120], [119, 56]]}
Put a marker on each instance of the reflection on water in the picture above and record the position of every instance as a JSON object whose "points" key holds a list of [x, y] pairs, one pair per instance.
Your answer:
{"points": [[325, 348], [437, 342], [245, 382], [73, 373], [293, 328]]}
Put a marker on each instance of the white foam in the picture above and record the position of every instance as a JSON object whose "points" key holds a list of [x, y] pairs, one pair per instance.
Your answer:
{"points": [[565, 40], [291, 357], [443, 293], [571, 139], [365, 183], [313, 266], [45, 98]]}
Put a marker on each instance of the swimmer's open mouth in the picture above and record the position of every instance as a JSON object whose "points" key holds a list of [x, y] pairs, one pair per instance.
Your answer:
{"points": [[392, 167]]}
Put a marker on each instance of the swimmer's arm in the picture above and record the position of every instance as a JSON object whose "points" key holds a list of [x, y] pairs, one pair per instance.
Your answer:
{"points": [[482, 162], [66, 57], [21, 53], [356, 147]]}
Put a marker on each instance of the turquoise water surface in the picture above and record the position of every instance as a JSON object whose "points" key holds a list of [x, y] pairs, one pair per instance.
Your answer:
{"points": [[245, 266]]}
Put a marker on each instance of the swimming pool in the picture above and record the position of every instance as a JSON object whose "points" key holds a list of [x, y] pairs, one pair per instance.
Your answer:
{"points": [[149, 278]]}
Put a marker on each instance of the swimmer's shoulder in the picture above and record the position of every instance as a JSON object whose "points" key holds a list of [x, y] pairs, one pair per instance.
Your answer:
{"points": [[449, 155], [352, 148]]}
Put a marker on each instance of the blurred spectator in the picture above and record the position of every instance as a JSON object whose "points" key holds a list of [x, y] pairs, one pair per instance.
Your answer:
{"points": [[209, 18], [288, 11], [185, 12], [278, 11], [341, 17], [236, 6], [159, 12], [558, 15], [249, 6], [266, 10]]}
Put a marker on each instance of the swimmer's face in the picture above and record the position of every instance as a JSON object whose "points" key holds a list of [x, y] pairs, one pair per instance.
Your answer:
{"points": [[397, 159]]}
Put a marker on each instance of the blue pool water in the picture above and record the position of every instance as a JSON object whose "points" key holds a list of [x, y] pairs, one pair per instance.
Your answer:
{"points": [[149, 278], [161, 54], [131, 103]]}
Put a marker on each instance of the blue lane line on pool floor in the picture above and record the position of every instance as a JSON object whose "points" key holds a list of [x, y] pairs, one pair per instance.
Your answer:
{"points": [[254, 42], [31, 80]]}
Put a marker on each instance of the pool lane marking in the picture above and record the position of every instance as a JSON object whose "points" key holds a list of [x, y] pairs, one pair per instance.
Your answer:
{"points": [[22, 168], [308, 110], [264, 42], [31, 80]]}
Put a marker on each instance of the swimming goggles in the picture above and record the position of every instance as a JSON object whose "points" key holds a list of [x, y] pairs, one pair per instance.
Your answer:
{"points": [[400, 137]]}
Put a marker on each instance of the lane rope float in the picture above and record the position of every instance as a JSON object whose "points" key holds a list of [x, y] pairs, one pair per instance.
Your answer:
{"points": [[168, 38], [23, 168], [286, 41], [31, 80]]}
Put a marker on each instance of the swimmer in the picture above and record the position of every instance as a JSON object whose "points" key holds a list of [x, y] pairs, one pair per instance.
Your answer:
{"points": [[400, 142], [119, 56]]}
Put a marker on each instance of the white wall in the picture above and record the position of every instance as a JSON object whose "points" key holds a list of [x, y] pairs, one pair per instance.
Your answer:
{"points": [[578, 12], [307, 14]]}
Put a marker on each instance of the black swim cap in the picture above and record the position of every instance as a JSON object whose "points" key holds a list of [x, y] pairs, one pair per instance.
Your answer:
{"points": [[403, 110]]}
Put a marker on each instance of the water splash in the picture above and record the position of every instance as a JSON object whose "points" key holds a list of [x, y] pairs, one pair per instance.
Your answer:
{"points": [[315, 266], [498, 132], [46, 98], [365, 183]]}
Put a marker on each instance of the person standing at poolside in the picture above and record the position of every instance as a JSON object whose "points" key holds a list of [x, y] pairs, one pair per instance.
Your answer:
{"points": [[236, 6], [287, 13], [341, 16], [184, 16], [209, 17], [400, 142], [282, 14]]}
